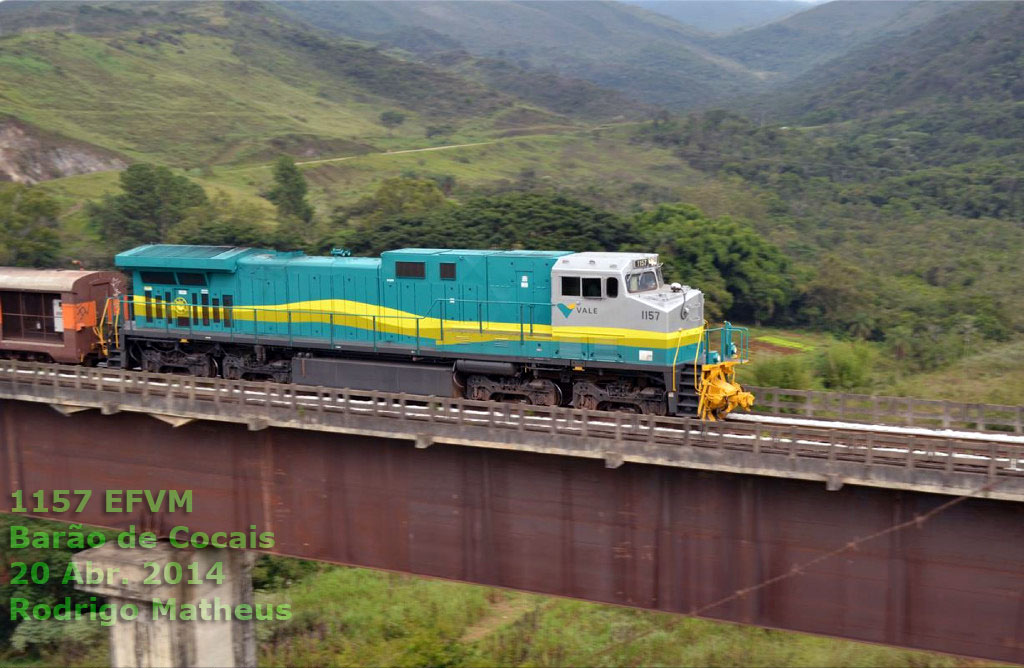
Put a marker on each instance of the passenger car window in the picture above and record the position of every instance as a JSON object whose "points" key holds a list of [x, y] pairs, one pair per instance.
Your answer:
{"points": [[592, 287], [570, 286], [611, 288]]}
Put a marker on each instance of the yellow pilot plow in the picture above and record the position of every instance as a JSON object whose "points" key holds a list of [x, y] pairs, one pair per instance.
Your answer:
{"points": [[719, 393]]}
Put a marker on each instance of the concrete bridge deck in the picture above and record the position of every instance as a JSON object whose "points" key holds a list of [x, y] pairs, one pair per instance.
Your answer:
{"points": [[982, 466]]}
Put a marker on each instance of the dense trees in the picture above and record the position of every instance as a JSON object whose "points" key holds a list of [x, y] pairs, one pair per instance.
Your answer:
{"points": [[901, 228], [289, 191], [741, 274], [925, 161], [838, 298], [514, 220], [28, 227], [401, 196], [222, 221], [158, 206], [153, 201]]}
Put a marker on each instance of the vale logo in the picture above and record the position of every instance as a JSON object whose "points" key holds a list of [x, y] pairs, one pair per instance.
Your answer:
{"points": [[567, 309]]}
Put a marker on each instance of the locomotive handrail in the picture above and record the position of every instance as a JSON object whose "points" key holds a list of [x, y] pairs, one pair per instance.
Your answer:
{"points": [[788, 450], [291, 318], [725, 334]]}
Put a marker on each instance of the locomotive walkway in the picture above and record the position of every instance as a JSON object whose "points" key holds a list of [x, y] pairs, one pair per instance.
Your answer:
{"points": [[975, 463]]}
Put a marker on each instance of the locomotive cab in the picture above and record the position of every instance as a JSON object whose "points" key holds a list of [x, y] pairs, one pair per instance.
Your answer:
{"points": [[621, 301], [619, 307]]}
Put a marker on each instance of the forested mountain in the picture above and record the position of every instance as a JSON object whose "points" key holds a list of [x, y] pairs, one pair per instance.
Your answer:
{"points": [[644, 55], [718, 17], [973, 54], [787, 48], [654, 56]]}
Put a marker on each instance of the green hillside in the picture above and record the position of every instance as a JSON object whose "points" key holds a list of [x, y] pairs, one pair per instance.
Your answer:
{"points": [[787, 48], [645, 55], [648, 51], [563, 95], [971, 55], [208, 83]]}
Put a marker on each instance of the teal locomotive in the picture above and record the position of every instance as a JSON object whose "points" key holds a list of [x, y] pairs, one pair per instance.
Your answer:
{"points": [[589, 330]]}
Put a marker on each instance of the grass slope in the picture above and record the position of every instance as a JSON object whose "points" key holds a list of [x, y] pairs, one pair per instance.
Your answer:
{"points": [[990, 373], [645, 55], [211, 83], [600, 161], [187, 103], [546, 89], [355, 617]]}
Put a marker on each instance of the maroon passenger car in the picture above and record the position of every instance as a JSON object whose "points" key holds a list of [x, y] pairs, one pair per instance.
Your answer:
{"points": [[51, 314]]}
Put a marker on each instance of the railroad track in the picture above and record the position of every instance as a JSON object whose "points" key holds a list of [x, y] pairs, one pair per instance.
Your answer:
{"points": [[779, 438]]}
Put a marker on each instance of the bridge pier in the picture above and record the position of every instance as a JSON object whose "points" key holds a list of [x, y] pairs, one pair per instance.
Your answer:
{"points": [[141, 580]]}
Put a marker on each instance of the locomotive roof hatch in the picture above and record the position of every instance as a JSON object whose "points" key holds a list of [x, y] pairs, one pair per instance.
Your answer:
{"points": [[173, 256], [607, 262]]}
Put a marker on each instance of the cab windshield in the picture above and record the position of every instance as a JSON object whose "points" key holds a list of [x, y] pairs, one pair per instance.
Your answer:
{"points": [[644, 281]]}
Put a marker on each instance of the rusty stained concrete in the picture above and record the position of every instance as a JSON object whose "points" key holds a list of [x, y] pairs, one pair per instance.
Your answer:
{"points": [[647, 536]]}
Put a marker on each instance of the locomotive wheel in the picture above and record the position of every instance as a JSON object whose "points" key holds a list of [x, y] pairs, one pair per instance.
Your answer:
{"points": [[585, 402]]}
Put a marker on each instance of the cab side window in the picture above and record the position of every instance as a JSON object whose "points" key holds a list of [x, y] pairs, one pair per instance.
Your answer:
{"points": [[611, 287], [592, 288], [570, 286]]}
